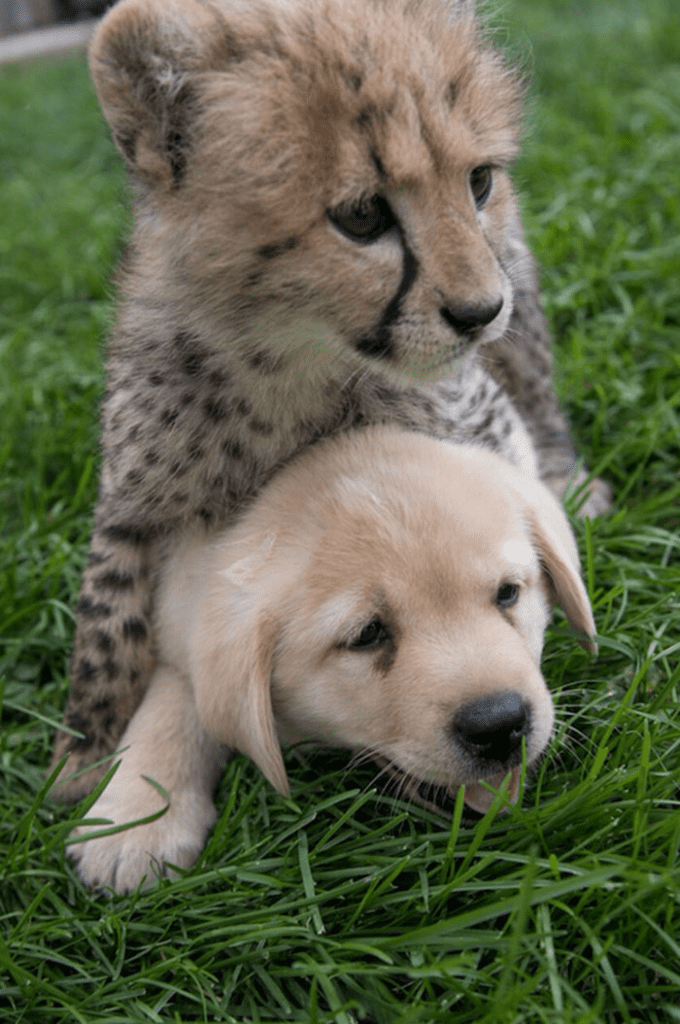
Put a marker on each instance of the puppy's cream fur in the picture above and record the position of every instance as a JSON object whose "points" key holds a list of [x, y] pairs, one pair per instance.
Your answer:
{"points": [[263, 634]]}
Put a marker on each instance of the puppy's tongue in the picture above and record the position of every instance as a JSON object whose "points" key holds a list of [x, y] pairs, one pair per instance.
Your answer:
{"points": [[479, 798]]}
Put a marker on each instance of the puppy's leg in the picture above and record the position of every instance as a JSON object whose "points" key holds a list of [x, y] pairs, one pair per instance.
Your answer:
{"points": [[166, 743]]}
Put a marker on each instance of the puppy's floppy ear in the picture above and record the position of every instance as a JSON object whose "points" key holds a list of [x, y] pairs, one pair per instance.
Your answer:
{"points": [[554, 540], [144, 61], [231, 667]]}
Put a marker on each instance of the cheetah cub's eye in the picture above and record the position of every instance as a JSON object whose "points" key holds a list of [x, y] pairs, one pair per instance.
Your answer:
{"points": [[364, 222], [507, 595], [481, 180]]}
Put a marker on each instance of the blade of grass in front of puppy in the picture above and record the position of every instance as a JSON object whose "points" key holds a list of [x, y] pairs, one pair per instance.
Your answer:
{"points": [[448, 866], [482, 827], [362, 797], [520, 917], [452, 931], [65, 827], [308, 882], [25, 826], [114, 829], [642, 779], [382, 882], [269, 985], [319, 808], [225, 816]]}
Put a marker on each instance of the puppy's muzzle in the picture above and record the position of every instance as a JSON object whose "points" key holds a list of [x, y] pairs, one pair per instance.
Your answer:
{"points": [[490, 731]]}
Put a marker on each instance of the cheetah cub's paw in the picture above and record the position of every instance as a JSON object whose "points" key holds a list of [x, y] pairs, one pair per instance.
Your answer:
{"points": [[165, 742], [598, 493]]}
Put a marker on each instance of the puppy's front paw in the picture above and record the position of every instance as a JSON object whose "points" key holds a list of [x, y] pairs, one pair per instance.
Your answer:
{"points": [[122, 860]]}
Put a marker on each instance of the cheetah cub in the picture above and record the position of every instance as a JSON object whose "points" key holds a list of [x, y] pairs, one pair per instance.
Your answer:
{"points": [[326, 234]]}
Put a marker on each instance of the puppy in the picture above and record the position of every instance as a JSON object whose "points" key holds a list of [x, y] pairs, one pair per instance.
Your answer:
{"points": [[387, 592]]}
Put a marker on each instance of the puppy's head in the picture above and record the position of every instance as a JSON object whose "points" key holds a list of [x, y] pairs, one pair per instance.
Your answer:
{"points": [[388, 593]]}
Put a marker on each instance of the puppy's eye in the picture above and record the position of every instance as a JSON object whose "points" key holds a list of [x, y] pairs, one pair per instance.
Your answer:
{"points": [[375, 634], [364, 222], [507, 595], [481, 180]]}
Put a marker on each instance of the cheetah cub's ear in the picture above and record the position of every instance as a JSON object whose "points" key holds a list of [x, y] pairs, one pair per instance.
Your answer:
{"points": [[143, 58]]}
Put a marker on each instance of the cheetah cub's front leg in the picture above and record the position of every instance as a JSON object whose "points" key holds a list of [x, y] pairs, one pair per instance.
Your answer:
{"points": [[164, 742], [113, 657]]}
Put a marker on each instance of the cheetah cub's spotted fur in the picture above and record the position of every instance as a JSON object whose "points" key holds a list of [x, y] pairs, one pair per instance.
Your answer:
{"points": [[326, 233]]}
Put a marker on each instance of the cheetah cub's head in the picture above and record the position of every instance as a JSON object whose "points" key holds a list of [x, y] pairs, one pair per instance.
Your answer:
{"points": [[318, 175]]}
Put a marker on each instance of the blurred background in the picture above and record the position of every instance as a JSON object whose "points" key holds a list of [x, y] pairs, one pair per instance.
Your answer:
{"points": [[26, 15]]}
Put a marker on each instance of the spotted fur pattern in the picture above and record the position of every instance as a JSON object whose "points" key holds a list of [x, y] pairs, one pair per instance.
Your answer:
{"points": [[326, 235]]}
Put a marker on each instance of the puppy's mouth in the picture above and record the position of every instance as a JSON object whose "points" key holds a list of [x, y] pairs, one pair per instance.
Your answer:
{"points": [[480, 798], [479, 795]]}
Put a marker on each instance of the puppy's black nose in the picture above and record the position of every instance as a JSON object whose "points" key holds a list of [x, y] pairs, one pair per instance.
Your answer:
{"points": [[492, 729]]}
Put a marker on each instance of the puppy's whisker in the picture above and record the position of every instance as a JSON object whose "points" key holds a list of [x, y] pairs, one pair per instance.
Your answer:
{"points": [[360, 757]]}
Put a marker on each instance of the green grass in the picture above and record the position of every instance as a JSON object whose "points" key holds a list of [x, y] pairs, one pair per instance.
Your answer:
{"points": [[342, 904]]}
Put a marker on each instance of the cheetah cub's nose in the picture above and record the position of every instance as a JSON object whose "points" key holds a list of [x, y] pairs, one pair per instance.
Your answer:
{"points": [[467, 320]]}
